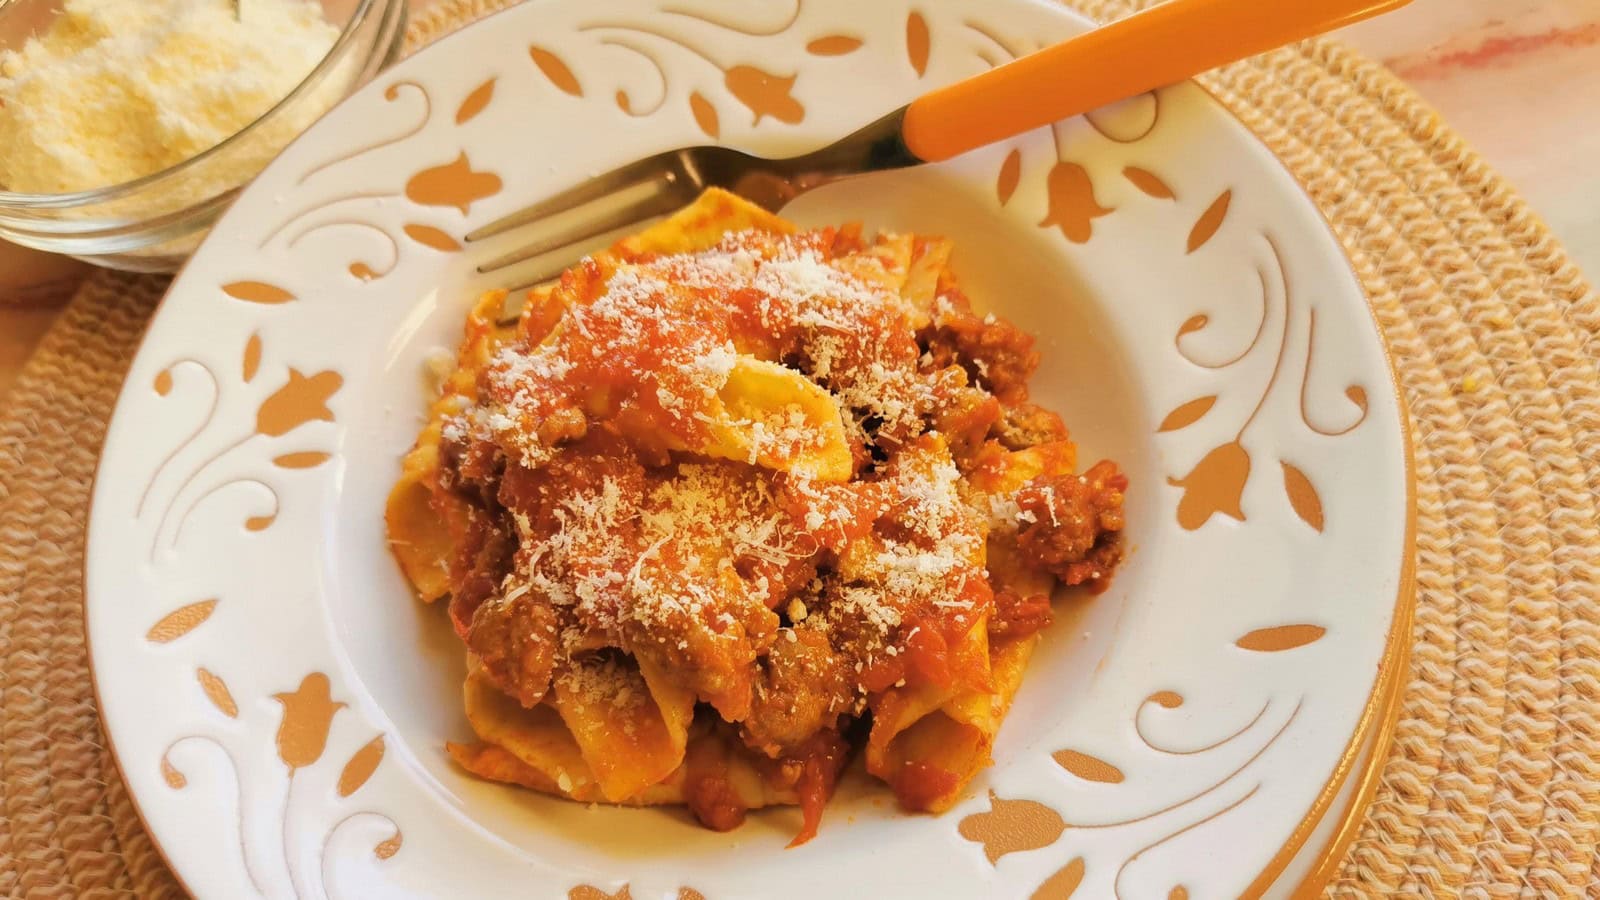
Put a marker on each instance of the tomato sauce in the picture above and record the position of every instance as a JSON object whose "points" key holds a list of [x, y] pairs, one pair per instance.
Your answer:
{"points": [[920, 785], [601, 520]]}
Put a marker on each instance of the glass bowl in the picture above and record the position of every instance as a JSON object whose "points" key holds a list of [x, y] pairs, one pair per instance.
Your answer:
{"points": [[152, 224]]}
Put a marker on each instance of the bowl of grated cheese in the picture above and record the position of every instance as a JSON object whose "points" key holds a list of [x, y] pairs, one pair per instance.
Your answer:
{"points": [[128, 126]]}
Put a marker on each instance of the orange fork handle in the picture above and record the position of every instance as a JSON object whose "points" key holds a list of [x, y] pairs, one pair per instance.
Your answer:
{"points": [[1164, 44]]}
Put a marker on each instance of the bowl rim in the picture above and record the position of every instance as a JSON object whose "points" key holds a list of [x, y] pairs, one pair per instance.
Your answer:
{"points": [[23, 200]]}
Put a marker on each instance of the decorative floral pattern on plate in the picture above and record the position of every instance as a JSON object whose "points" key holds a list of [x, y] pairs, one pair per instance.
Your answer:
{"points": [[279, 704]]}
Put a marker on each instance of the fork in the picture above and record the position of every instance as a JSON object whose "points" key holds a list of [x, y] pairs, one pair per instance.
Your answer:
{"points": [[1161, 45]]}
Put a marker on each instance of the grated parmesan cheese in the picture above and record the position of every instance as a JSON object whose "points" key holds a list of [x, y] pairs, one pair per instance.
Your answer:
{"points": [[118, 89], [654, 334], [688, 561]]}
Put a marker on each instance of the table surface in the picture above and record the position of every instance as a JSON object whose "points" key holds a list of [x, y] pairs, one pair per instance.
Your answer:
{"points": [[1519, 79]]}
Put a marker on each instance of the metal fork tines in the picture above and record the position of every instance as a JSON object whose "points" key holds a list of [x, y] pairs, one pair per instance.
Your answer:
{"points": [[655, 186], [648, 188]]}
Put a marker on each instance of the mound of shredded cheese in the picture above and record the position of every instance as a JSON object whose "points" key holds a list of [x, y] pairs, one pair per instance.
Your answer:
{"points": [[115, 90]]}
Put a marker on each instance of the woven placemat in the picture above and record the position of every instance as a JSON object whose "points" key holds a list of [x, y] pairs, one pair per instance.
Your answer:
{"points": [[1492, 787]]}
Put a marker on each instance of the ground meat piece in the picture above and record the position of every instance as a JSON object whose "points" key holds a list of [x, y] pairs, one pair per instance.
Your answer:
{"points": [[710, 641], [775, 580], [997, 354], [515, 641], [1017, 616], [801, 688], [708, 787], [472, 466], [1074, 523], [715, 666], [1029, 425], [482, 559], [962, 413]]}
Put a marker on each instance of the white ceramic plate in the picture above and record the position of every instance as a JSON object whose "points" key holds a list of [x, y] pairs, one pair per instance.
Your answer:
{"points": [[279, 703]]}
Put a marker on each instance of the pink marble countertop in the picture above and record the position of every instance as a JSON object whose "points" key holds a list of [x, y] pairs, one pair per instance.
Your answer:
{"points": [[1519, 79]]}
